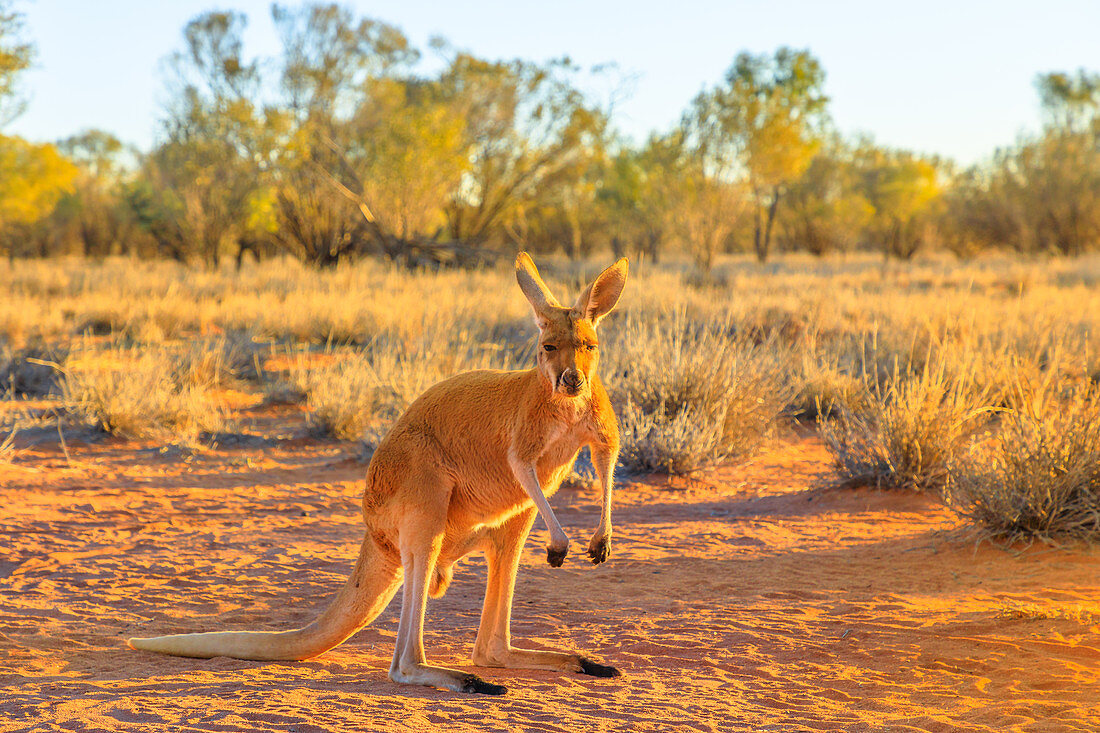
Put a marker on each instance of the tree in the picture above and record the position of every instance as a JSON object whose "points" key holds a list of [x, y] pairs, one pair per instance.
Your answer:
{"points": [[382, 138], [32, 177], [825, 210], [1062, 167], [528, 128], [1043, 193], [15, 56], [1056, 179], [637, 191], [902, 188], [329, 56], [980, 211], [703, 211], [95, 213], [201, 181], [34, 180], [430, 168], [572, 192], [311, 221], [1070, 102], [405, 156], [764, 124], [328, 59]]}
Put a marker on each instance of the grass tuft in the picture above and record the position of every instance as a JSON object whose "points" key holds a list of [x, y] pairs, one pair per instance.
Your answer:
{"points": [[31, 372], [357, 396], [346, 397], [1038, 477], [146, 394], [689, 397], [7, 447], [904, 433]]}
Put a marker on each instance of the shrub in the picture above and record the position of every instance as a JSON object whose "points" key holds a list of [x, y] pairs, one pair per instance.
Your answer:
{"points": [[141, 394], [30, 372], [345, 397], [283, 392], [221, 361], [907, 431], [243, 355], [1039, 476], [824, 377], [690, 397], [363, 392]]}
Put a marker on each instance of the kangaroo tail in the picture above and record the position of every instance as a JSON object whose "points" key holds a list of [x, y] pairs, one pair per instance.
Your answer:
{"points": [[366, 594]]}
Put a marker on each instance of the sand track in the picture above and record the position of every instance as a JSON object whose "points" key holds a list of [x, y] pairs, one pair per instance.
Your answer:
{"points": [[752, 600]]}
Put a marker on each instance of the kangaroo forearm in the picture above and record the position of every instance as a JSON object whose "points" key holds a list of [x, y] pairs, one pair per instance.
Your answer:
{"points": [[604, 458], [528, 479]]}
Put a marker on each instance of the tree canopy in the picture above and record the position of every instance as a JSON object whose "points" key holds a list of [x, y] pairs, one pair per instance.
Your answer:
{"points": [[347, 143]]}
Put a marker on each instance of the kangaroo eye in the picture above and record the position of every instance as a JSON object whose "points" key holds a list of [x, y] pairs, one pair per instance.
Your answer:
{"points": [[590, 347], [549, 347]]}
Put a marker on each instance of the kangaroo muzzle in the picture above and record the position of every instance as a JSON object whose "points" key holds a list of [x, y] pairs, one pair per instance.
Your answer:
{"points": [[571, 380]]}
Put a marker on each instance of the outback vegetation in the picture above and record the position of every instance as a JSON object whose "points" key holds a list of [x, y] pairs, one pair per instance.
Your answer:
{"points": [[974, 382], [344, 146], [283, 234]]}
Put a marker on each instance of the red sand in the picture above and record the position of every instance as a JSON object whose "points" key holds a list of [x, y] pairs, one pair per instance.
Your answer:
{"points": [[748, 601]]}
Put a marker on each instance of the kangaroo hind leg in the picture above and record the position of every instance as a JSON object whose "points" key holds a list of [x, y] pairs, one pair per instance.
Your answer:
{"points": [[493, 647], [409, 662]]}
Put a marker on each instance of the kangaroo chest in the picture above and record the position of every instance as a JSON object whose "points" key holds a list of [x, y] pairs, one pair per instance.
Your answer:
{"points": [[559, 454]]}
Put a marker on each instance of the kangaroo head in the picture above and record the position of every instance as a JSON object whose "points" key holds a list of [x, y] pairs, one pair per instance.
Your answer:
{"points": [[568, 348]]}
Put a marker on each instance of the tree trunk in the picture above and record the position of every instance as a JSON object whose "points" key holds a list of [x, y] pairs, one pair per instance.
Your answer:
{"points": [[650, 244], [893, 241], [758, 234], [705, 259], [575, 243], [763, 245], [213, 255], [618, 249], [654, 244]]}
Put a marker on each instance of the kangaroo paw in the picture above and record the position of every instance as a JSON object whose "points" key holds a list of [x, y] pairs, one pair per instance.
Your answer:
{"points": [[599, 550], [555, 557]]}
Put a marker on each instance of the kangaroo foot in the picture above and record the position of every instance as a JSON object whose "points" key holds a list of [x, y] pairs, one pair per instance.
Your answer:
{"points": [[473, 683], [595, 669]]}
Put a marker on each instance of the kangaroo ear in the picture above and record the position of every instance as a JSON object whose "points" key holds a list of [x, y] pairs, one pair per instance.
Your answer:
{"points": [[534, 288], [602, 294]]}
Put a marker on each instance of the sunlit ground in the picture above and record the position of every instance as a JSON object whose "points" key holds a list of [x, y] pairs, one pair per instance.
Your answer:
{"points": [[749, 598]]}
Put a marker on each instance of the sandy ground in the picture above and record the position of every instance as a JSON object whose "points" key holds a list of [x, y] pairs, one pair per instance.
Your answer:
{"points": [[751, 600]]}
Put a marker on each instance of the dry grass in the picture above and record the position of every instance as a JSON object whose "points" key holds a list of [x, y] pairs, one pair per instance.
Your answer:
{"points": [[225, 359], [165, 392], [7, 447], [897, 362], [360, 304], [345, 398], [30, 372], [1083, 614], [826, 375], [355, 394], [1038, 476], [142, 393], [690, 395], [903, 432]]}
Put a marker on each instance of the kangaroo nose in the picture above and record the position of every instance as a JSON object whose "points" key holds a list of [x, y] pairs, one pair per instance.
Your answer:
{"points": [[571, 378]]}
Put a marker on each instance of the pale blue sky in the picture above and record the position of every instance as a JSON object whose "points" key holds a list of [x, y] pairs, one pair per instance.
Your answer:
{"points": [[954, 78]]}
